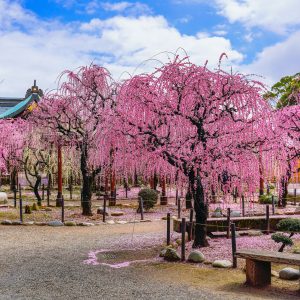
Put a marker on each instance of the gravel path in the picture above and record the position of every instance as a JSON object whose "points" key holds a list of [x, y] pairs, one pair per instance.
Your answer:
{"points": [[47, 263]]}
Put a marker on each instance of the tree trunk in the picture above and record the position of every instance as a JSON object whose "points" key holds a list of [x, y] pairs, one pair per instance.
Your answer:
{"points": [[284, 192], [36, 190], [87, 180], [13, 179], [283, 244], [201, 211], [188, 199]]}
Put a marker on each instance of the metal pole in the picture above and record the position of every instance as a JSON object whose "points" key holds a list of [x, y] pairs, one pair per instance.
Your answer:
{"points": [[21, 204], [190, 229], [233, 245], [48, 196], [104, 206], [71, 189], [295, 195], [62, 209], [59, 177], [228, 222], [168, 229], [243, 205], [179, 208], [273, 205], [183, 230], [15, 197], [268, 218], [142, 208]]}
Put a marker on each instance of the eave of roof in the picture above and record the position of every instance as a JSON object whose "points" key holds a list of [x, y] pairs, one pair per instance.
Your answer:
{"points": [[20, 107]]}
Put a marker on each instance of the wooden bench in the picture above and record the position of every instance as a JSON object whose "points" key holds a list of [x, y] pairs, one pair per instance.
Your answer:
{"points": [[258, 264]]}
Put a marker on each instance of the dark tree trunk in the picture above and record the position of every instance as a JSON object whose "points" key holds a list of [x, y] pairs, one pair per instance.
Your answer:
{"points": [[36, 190], [13, 179], [155, 181], [201, 211], [284, 192], [188, 199], [135, 179], [87, 180], [283, 245]]}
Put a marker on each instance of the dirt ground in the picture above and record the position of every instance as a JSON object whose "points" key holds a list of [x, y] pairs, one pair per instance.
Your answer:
{"points": [[112, 262]]}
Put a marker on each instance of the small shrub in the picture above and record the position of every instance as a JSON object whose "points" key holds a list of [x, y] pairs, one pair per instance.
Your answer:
{"points": [[272, 187], [34, 207], [27, 209], [267, 199], [149, 197], [289, 225], [282, 238]]}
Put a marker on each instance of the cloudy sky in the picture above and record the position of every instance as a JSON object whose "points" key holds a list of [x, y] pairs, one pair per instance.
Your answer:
{"points": [[41, 38]]}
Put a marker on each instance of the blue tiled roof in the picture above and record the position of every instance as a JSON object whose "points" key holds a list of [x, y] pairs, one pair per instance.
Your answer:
{"points": [[11, 107]]}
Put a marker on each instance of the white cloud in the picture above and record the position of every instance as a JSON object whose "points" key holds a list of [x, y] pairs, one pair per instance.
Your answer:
{"points": [[220, 32], [277, 60], [119, 6], [277, 15], [123, 7], [119, 43], [12, 14]]}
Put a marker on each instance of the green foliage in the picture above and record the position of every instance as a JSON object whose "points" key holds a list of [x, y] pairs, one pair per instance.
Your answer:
{"points": [[149, 197], [267, 199], [289, 225], [285, 91], [272, 187], [281, 238], [34, 207], [27, 209]]}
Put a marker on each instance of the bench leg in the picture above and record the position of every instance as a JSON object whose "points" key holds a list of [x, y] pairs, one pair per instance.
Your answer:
{"points": [[258, 273]]}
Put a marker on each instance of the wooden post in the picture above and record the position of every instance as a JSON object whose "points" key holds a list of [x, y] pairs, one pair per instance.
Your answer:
{"points": [[104, 206], [112, 198], [126, 187], [190, 229], [151, 182], [183, 230], [235, 195], [243, 205], [59, 176], [233, 245], [258, 273], [273, 205], [21, 204], [268, 218], [295, 195], [163, 197], [168, 229], [141, 208], [48, 195], [62, 209], [15, 197], [179, 208], [43, 191], [71, 186], [228, 223]]}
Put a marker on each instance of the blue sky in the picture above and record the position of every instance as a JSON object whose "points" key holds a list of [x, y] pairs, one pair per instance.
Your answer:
{"points": [[41, 38]]}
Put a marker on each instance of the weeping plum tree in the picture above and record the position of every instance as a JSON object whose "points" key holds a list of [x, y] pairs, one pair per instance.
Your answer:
{"points": [[74, 114], [12, 144], [287, 120], [22, 148], [205, 124]]}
